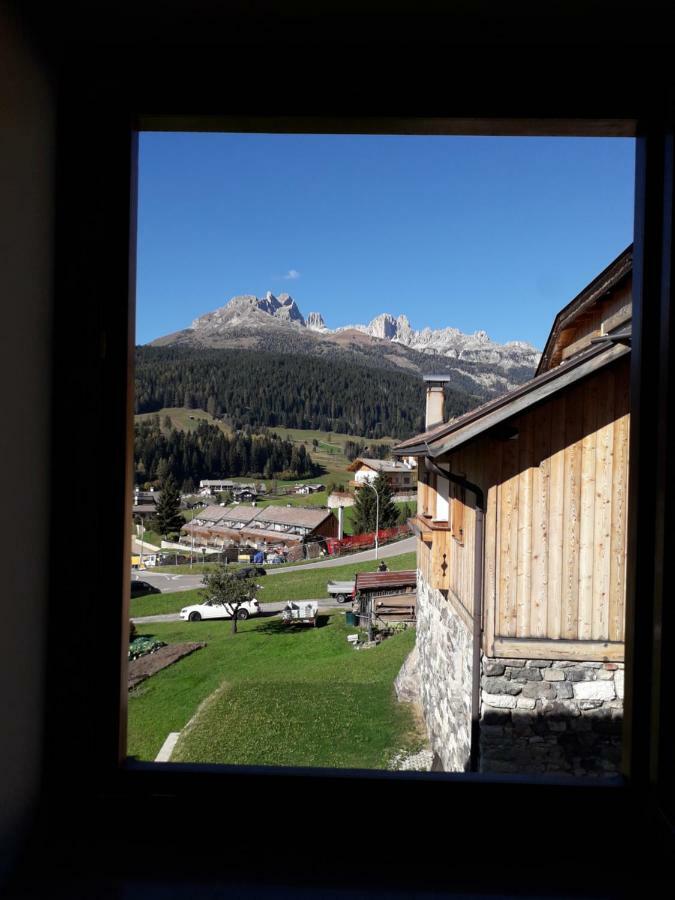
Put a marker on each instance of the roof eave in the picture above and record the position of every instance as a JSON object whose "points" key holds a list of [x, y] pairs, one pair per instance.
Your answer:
{"points": [[606, 281], [523, 402], [474, 424]]}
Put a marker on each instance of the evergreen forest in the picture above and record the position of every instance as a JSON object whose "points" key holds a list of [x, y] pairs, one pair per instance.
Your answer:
{"points": [[161, 451], [255, 388]]}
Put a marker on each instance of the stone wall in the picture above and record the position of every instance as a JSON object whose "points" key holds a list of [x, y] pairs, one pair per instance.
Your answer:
{"points": [[541, 716], [444, 649]]}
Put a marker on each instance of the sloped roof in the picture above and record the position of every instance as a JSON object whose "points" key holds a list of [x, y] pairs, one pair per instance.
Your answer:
{"points": [[211, 513], [450, 435], [239, 514], [300, 516], [374, 581], [608, 279], [294, 516], [387, 466]]}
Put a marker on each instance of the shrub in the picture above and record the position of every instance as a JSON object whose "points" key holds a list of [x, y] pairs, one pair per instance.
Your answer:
{"points": [[132, 630]]}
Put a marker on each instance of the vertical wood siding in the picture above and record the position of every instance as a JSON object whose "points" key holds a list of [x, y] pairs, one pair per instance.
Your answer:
{"points": [[561, 516], [555, 523]]}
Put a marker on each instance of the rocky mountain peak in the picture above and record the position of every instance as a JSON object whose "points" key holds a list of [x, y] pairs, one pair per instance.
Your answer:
{"points": [[493, 365], [383, 326], [315, 322]]}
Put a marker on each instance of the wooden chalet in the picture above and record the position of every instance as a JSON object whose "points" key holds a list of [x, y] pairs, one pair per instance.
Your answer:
{"points": [[522, 504], [401, 476]]}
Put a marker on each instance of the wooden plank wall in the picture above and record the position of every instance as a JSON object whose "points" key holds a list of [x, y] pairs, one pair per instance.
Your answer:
{"points": [[555, 522], [560, 537]]}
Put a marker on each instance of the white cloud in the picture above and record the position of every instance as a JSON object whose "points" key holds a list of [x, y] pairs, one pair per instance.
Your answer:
{"points": [[291, 275]]}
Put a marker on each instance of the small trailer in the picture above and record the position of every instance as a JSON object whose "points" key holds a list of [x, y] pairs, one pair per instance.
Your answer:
{"points": [[298, 612], [341, 590]]}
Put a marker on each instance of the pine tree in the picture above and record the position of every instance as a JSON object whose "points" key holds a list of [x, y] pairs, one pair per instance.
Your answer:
{"points": [[388, 510], [366, 507], [168, 508]]}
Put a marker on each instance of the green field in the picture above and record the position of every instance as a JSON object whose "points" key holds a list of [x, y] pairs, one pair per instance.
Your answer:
{"points": [[184, 419], [330, 450], [271, 695], [307, 585]]}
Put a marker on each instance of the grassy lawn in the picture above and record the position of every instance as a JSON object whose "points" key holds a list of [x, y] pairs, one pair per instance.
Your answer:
{"points": [[184, 419], [307, 585], [275, 696], [318, 499], [149, 537]]}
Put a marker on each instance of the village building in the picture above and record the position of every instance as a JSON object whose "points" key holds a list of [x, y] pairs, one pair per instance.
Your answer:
{"points": [[401, 476], [272, 526], [216, 485], [521, 524], [309, 488]]}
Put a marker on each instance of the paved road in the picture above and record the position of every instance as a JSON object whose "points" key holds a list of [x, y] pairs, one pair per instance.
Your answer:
{"points": [[268, 609], [169, 584]]}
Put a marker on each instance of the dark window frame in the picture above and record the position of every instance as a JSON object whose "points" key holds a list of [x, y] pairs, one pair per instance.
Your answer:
{"points": [[95, 234]]}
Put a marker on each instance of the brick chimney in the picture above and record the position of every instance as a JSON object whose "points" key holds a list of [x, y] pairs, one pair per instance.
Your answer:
{"points": [[435, 385]]}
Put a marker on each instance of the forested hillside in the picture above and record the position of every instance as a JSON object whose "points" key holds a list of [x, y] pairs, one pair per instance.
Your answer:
{"points": [[248, 387], [160, 450]]}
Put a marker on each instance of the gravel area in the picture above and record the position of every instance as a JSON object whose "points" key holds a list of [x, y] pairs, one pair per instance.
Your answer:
{"points": [[145, 666], [412, 762]]}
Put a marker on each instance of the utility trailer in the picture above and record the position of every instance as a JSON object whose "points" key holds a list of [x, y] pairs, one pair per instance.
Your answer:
{"points": [[297, 612], [341, 590]]}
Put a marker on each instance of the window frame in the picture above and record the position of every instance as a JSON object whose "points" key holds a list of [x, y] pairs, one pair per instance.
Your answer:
{"points": [[96, 233]]}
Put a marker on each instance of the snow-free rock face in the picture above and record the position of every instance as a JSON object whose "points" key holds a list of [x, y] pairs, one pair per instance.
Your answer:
{"points": [[247, 309], [315, 322], [452, 343]]}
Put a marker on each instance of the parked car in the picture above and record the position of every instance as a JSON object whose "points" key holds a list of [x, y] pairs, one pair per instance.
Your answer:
{"points": [[212, 610], [142, 587]]}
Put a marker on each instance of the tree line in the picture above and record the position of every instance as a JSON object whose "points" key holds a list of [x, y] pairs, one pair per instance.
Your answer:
{"points": [[355, 449], [255, 388], [161, 451]]}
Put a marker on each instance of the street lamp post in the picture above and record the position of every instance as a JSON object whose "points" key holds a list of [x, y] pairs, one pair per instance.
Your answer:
{"points": [[140, 562], [377, 513]]}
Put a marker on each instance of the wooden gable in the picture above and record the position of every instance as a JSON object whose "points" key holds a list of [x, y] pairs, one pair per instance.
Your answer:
{"points": [[603, 307]]}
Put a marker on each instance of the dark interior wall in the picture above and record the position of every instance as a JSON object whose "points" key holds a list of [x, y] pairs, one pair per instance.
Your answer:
{"points": [[26, 218], [192, 59]]}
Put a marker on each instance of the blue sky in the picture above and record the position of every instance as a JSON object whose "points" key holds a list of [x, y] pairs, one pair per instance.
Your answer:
{"points": [[476, 233]]}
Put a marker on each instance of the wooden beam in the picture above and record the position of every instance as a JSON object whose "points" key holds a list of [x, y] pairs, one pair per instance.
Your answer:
{"points": [[583, 651]]}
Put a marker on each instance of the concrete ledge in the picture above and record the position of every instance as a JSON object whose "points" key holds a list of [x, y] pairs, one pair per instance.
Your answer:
{"points": [[164, 754]]}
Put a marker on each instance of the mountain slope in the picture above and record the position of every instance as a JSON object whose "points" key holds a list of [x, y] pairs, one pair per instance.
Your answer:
{"points": [[253, 387], [475, 364]]}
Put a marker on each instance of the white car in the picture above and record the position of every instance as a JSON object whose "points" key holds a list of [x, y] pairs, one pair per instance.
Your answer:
{"points": [[212, 610]]}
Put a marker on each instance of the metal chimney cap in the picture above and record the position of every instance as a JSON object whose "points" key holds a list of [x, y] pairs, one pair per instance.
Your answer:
{"points": [[441, 379]]}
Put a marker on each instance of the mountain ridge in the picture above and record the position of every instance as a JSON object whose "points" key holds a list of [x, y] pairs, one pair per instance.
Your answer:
{"points": [[271, 323]]}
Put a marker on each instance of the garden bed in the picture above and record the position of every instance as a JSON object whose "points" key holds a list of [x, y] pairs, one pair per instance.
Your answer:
{"points": [[145, 666]]}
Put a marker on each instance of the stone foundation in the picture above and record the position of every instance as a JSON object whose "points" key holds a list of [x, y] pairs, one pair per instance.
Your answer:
{"points": [[444, 663], [537, 716], [540, 716]]}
